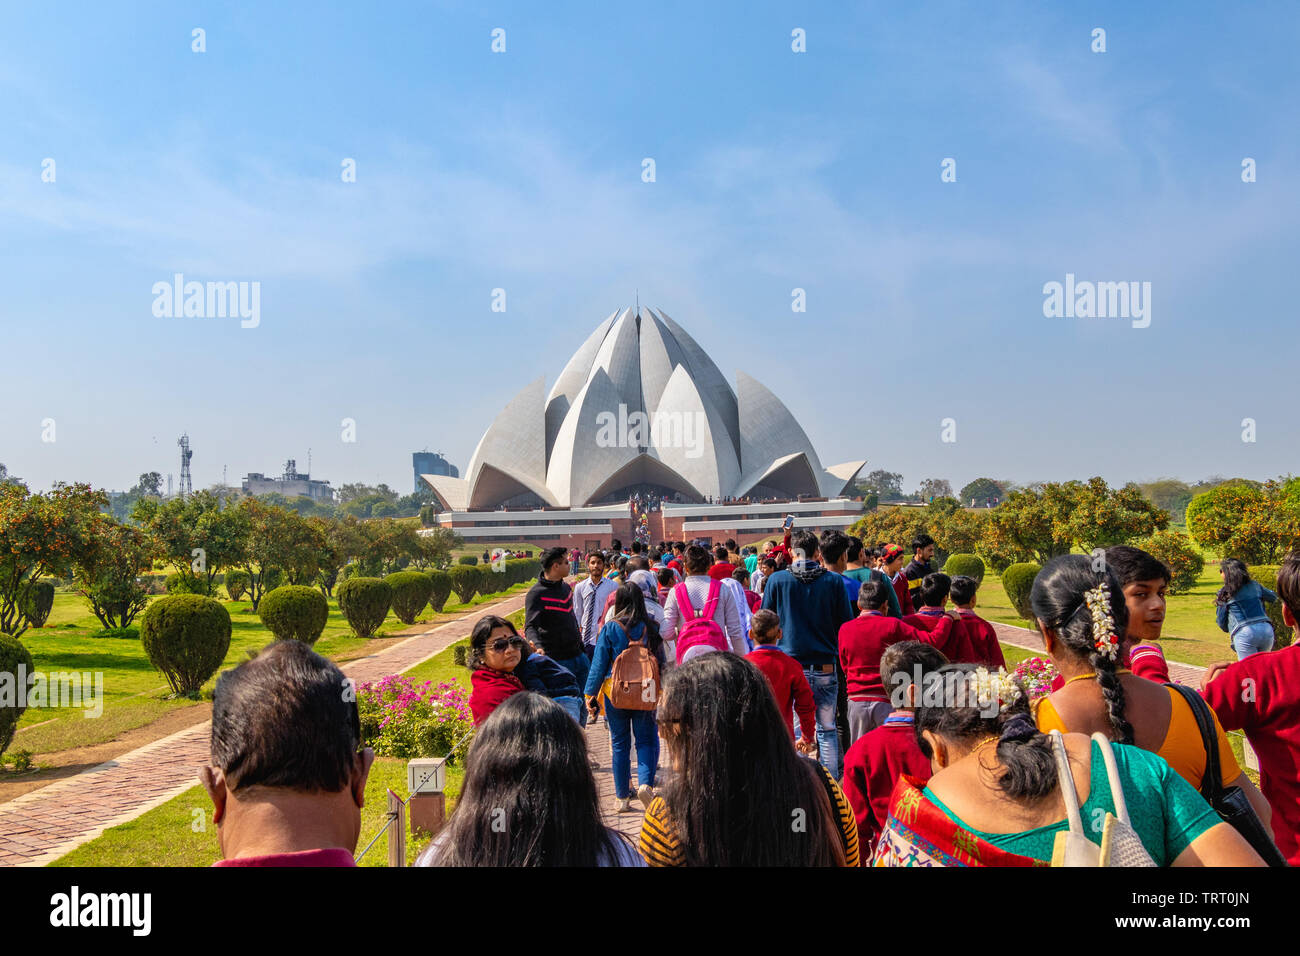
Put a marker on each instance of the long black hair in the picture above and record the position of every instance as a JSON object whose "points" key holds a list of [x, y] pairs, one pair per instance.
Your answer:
{"points": [[741, 787], [528, 798], [1235, 577], [1029, 769], [1057, 598]]}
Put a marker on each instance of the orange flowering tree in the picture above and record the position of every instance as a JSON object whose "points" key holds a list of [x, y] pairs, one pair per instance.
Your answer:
{"points": [[1240, 520], [41, 534]]}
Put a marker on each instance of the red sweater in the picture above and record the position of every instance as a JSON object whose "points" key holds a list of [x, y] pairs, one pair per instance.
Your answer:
{"points": [[871, 768], [863, 641], [489, 689], [982, 639], [956, 647], [789, 686], [1261, 695], [721, 571]]}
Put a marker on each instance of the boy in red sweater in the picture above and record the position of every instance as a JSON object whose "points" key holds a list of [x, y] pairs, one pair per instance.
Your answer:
{"points": [[933, 595], [785, 674], [1261, 695], [863, 642], [980, 636], [875, 761]]}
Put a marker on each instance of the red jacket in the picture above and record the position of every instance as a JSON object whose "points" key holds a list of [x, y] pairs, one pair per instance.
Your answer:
{"points": [[489, 689], [863, 641], [982, 640], [871, 768], [789, 686], [754, 599], [1261, 695], [956, 647]]}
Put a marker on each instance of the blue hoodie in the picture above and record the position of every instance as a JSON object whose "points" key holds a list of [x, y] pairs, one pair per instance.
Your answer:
{"points": [[812, 604]]}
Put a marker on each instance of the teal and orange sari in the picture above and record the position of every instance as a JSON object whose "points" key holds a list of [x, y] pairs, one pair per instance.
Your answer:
{"points": [[918, 833]]}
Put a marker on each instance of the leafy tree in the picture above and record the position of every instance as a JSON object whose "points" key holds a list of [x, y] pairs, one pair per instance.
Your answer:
{"points": [[1170, 494], [934, 488], [383, 509], [41, 534], [107, 572], [980, 492], [8, 479], [198, 522], [434, 547], [275, 541], [888, 485], [149, 485], [1242, 520], [1041, 523]]}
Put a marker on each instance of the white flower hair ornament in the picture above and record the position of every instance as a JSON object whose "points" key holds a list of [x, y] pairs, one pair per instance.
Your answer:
{"points": [[1104, 638], [997, 686]]}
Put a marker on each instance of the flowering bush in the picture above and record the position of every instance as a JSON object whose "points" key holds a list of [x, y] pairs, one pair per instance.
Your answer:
{"points": [[1037, 674], [404, 719]]}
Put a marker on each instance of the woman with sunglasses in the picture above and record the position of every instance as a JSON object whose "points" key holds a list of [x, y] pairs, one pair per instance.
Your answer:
{"points": [[496, 649]]}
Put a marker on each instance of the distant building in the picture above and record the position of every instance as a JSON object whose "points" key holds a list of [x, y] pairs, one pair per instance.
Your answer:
{"points": [[431, 463], [291, 484]]}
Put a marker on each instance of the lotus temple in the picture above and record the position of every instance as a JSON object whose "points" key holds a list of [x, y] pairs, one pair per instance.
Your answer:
{"points": [[641, 409]]}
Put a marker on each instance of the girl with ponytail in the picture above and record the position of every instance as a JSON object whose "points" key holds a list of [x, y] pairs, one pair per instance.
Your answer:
{"points": [[1082, 616]]}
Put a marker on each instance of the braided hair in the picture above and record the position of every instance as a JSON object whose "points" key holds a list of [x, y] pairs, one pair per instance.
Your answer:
{"points": [[1059, 600]]}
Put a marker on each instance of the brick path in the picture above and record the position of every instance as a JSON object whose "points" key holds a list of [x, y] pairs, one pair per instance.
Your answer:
{"points": [[43, 825]]}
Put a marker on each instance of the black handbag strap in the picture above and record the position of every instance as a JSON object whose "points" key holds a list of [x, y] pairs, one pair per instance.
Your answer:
{"points": [[1212, 782]]}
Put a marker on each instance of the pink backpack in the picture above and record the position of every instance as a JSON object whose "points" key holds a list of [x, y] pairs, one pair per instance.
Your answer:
{"points": [[701, 633]]}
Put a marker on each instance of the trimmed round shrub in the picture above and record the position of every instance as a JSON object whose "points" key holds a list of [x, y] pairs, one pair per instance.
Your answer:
{"points": [[967, 564], [467, 559], [465, 581], [236, 584], [411, 591], [178, 583], [441, 581], [12, 655], [38, 601], [1266, 575], [295, 612], [1017, 581], [364, 603], [186, 636], [1174, 549]]}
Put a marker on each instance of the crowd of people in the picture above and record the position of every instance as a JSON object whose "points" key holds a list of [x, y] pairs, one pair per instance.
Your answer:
{"points": [[819, 701]]}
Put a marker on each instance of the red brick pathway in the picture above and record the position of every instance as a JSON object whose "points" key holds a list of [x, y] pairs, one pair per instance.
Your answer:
{"points": [[43, 825]]}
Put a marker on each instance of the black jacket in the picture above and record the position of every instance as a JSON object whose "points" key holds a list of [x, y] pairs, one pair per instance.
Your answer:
{"points": [[548, 619]]}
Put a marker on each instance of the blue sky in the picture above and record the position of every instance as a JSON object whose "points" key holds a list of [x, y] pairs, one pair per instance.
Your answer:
{"points": [[522, 171]]}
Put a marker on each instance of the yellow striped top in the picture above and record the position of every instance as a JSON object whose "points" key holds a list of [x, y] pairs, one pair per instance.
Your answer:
{"points": [[660, 845]]}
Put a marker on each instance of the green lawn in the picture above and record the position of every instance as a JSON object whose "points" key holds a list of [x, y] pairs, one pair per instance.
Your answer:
{"points": [[1190, 633], [134, 693], [167, 835]]}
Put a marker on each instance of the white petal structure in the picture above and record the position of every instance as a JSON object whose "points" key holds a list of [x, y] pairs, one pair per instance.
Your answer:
{"points": [[640, 403]]}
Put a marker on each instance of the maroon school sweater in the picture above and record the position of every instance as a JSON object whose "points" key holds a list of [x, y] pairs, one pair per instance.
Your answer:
{"points": [[863, 641], [872, 767], [789, 686]]}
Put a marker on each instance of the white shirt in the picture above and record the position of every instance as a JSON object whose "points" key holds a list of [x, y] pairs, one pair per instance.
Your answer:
{"points": [[583, 598], [726, 614]]}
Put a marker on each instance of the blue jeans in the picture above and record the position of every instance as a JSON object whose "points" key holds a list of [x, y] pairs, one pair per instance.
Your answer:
{"points": [[1252, 639], [623, 726], [825, 688], [578, 667]]}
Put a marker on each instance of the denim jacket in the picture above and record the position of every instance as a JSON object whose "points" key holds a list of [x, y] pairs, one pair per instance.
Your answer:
{"points": [[1246, 607], [611, 642]]}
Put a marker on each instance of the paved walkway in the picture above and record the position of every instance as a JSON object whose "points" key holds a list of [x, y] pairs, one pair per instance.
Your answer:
{"points": [[43, 825]]}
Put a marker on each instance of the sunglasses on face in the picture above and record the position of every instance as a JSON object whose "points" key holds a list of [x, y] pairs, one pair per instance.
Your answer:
{"points": [[501, 643]]}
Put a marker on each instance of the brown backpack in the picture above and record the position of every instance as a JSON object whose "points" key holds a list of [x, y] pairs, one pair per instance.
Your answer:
{"points": [[635, 678]]}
